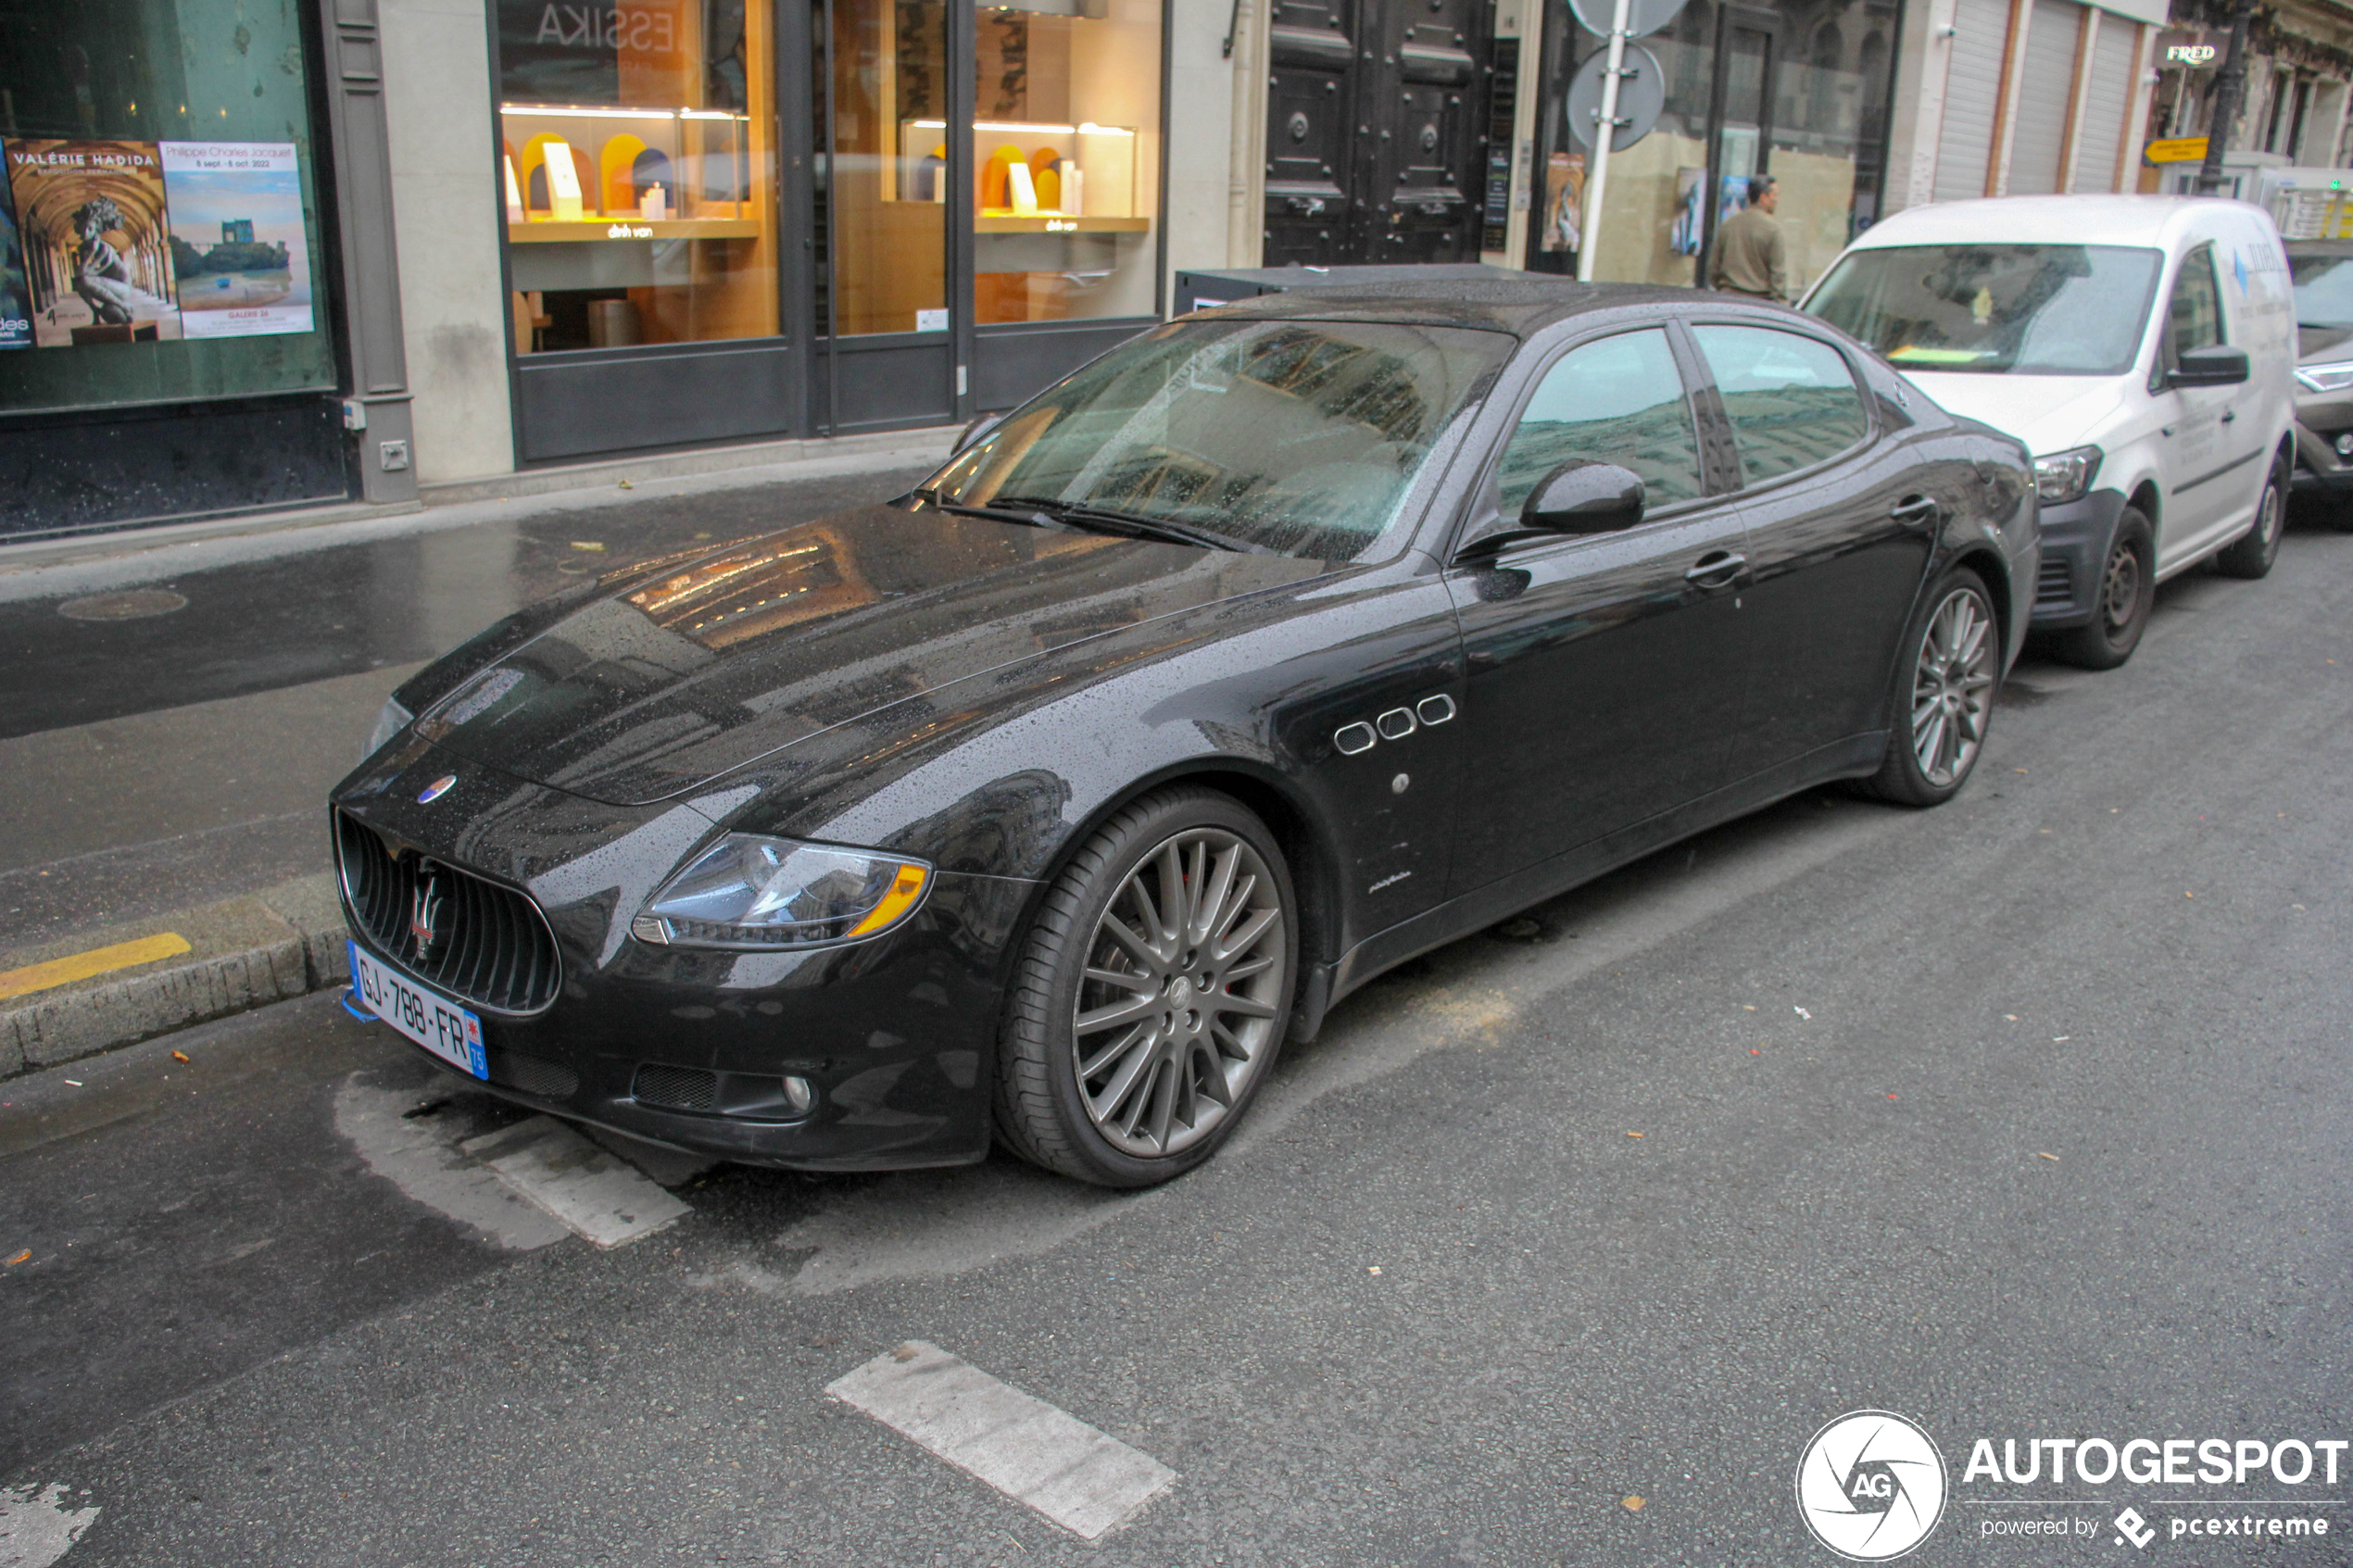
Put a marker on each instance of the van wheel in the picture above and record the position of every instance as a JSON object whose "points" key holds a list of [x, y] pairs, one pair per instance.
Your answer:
{"points": [[2126, 593], [2251, 554]]}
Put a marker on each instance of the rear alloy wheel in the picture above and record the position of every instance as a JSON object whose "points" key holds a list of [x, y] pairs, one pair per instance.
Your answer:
{"points": [[2126, 597], [2252, 553], [1153, 993], [1943, 695]]}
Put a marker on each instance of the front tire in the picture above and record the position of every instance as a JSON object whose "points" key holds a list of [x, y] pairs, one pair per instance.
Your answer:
{"points": [[1152, 994], [2251, 555], [2127, 596], [1944, 696]]}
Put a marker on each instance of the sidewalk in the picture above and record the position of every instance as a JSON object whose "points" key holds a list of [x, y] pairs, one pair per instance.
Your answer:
{"points": [[163, 844]]}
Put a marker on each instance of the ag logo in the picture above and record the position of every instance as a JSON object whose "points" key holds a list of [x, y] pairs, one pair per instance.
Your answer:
{"points": [[1870, 1485]]}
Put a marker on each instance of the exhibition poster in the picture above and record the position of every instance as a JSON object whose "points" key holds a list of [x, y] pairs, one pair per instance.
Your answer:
{"points": [[143, 241]]}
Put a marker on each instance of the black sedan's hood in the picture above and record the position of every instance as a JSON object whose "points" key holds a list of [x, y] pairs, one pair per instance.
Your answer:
{"points": [[673, 681]]}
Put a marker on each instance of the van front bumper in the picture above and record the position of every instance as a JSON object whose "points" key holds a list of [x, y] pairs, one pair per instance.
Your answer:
{"points": [[2075, 541]]}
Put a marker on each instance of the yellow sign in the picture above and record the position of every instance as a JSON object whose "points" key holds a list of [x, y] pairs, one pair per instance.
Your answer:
{"points": [[2181, 150]]}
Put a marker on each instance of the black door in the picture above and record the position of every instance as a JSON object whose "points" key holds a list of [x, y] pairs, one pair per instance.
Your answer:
{"points": [[1376, 131], [1839, 525], [1604, 675]]}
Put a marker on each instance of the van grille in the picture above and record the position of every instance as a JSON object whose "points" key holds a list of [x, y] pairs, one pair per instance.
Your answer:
{"points": [[2056, 587], [487, 945]]}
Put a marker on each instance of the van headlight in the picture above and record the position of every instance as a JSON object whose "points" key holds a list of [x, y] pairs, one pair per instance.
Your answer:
{"points": [[2326, 378], [2064, 476], [747, 891]]}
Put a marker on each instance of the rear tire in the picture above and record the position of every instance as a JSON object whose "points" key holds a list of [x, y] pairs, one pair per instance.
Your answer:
{"points": [[2251, 555], [1152, 995], [2126, 595], [1944, 694]]}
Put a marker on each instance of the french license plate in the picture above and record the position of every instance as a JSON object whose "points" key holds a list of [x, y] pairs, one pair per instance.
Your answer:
{"points": [[434, 1021]]}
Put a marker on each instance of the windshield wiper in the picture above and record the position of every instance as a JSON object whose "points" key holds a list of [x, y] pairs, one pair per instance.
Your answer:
{"points": [[1133, 526], [1035, 517]]}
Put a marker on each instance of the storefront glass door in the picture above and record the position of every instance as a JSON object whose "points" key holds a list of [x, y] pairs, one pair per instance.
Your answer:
{"points": [[884, 181]]}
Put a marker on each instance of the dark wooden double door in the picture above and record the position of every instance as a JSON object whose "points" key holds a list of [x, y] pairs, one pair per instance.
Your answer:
{"points": [[1376, 121]]}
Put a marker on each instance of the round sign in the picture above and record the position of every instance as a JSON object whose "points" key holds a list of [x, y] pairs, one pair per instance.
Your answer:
{"points": [[1642, 16], [1870, 1485], [1642, 95]]}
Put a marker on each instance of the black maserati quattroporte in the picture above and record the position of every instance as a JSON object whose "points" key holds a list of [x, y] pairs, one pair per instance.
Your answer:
{"points": [[1278, 645]]}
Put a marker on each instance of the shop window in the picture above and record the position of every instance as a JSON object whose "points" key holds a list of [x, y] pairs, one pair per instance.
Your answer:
{"points": [[886, 182], [636, 145], [160, 231], [1065, 140]]}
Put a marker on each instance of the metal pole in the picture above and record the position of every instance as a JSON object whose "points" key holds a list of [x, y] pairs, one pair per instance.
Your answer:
{"points": [[1604, 133], [2230, 86]]}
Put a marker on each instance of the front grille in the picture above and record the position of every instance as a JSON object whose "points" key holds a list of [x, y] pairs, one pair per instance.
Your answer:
{"points": [[532, 1075], [489, 945], [680, 1088], [2055, 586]]}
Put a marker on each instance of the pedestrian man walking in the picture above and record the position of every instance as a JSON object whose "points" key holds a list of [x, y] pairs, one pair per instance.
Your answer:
{"points": [[1751, 258]]}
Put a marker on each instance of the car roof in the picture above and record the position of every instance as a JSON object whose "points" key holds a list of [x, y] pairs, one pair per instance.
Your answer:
{"points": [[1521, 305], [2076, 219]]}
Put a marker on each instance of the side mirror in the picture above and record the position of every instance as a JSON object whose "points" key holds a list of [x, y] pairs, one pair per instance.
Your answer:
{"points": [[1583, 496], [987, 423], [2215, 365]]}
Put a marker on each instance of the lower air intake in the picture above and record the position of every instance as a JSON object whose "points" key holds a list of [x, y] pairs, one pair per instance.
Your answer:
{"points": [[680, 1088]]}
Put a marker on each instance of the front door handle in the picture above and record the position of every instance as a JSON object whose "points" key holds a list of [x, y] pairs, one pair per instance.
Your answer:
{"points": [[2229, 414], [1718, 569], [1916, 511]]}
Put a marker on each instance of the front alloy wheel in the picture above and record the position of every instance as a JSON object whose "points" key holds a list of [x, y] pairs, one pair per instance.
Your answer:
{"points": [[1152, 995]]}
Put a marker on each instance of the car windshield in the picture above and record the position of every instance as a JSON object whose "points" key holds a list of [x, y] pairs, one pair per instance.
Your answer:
{"points": [[2323, 291], [1298, 437], [2028, 310]]}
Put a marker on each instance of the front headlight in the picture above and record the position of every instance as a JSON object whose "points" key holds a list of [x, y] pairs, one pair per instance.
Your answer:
{"points": [[2326, 378], [389, 723], [2064, 476], [746, 890]]}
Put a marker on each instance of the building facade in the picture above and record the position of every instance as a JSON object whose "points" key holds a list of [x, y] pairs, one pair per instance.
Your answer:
{"points": [[320, 251]]}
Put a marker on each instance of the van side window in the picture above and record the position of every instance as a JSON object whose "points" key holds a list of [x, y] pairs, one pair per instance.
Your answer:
{"points": [[2194, 316]]}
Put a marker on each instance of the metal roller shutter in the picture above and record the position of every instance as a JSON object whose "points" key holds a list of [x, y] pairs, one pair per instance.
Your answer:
{"points": [[2039, 144], [2107, 98], [1972, 84]]}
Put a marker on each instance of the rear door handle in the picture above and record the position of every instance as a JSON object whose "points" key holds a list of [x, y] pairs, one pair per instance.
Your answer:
{"points": [[1916, 511], [1718, 569]]}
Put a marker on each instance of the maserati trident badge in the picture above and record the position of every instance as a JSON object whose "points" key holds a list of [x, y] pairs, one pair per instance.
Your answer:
{"points": [[424, 914]]}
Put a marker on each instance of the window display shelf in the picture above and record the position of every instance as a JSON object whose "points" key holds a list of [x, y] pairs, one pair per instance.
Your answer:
{"points": [[549, 230], [1054, 223]]}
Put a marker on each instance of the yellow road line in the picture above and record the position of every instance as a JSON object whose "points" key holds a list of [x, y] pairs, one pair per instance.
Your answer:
{"points": [[81, 966]]}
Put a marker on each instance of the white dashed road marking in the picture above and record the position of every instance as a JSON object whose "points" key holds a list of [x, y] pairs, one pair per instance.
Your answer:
{"points": [[36, 1527], [603, 1197], [1074, 1475]]}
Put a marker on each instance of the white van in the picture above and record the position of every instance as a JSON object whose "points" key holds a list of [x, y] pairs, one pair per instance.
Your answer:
{"points": [[2143, 347]]}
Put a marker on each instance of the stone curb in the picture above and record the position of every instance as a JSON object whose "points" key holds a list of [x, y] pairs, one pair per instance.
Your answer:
{"points": [[295, 947]]}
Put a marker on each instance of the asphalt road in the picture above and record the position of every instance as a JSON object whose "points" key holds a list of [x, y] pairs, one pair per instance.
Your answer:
{"points": [[2024, 1118]]}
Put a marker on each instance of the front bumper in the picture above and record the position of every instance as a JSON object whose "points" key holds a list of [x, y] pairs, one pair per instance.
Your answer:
{"points": [[896, 1036], [2075, 541]]}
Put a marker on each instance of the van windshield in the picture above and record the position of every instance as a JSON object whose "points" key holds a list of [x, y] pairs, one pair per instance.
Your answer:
{"points": [[2028, 310]]}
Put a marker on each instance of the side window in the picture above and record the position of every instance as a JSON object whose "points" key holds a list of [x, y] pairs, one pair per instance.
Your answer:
{"points": [[1620, 400], [1791, 399], [2194, 316]]}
